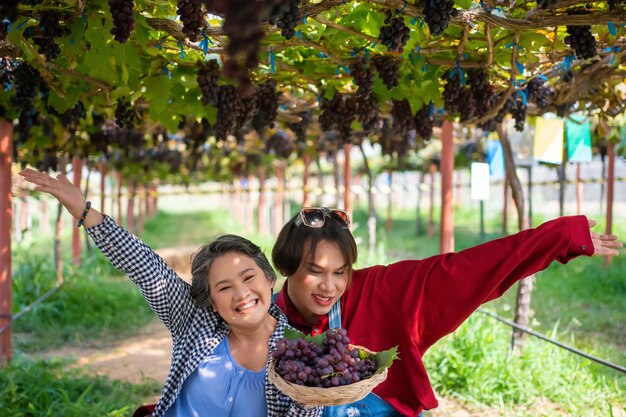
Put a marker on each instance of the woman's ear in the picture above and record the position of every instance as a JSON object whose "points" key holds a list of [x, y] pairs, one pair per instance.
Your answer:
{"points": [[212, 306]]}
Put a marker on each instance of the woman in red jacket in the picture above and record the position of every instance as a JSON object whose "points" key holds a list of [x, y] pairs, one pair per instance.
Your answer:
{"points": [[411, 304]]}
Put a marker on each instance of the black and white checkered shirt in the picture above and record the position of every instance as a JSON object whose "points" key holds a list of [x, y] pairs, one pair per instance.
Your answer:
{"points": [[195, 331]]}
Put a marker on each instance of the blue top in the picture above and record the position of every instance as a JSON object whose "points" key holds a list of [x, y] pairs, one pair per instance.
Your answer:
{"points": [[220, 387]]}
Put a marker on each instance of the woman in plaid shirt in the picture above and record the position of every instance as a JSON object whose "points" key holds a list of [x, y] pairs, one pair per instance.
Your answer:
{"points": [[223, 325]]}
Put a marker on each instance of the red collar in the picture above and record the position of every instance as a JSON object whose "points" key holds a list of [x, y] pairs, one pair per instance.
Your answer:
{"points": [[295, 318]]}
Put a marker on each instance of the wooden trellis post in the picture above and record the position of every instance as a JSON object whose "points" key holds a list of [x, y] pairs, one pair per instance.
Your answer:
{"points": [[446, 243], [6, 156]]}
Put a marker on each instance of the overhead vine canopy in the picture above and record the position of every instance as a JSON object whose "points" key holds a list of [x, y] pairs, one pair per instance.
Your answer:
{"points": [[219, 68]]}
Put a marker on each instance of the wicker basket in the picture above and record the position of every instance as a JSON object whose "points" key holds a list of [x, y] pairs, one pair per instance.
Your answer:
{"points": [[313, 396]]}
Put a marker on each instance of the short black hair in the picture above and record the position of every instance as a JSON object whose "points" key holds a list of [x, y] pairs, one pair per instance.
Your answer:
{"points": [[295, 243], [202, 260]]}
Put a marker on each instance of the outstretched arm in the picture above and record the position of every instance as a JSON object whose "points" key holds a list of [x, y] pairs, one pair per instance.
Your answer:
{"points": [[166, 293]]}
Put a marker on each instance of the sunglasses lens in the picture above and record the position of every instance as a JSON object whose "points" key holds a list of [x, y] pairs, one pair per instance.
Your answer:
{"points": [[341, 217], [313, 217]]}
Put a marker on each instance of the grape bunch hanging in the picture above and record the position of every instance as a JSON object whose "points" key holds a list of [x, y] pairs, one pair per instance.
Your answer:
{"points": [[125, 115], [192, 16], [437, 14], [423, 123], [288, 18], [394, 34], [267, 106], [207, 77], [387, 68], [51, 28], [304, 363], [452, 91], [279, 144], [482, 91], [402, 117], [363, 76], [27, 82], [123, 19], [300, 128], [538, 91], [581, 40], [338, 114], [230, 109]]}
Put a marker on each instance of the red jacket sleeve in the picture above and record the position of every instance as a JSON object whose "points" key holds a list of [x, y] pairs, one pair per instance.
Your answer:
{"points": [[440, 292]]}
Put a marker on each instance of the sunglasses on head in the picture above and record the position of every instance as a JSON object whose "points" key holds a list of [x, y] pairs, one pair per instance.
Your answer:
{"points": [[316, 217]]}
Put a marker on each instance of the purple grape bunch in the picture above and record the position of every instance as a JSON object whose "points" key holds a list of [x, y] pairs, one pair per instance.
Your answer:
{"points": [[304, 363]]}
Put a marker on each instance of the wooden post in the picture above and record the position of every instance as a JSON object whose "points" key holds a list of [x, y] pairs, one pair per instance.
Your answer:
{"points": [[44, 225], [120, 179], [347, 178], [610, 185], [262, 228], [77, 168], [140, 209], [530, 196], [389, 224], [249, 205], [305, 179], [279, 215], [431, 212], [446, 242], [6, 214], [130, 213], [505, 205], [459, 189], [103, 176]]}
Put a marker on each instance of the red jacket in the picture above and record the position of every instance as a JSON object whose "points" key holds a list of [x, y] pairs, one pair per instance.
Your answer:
{"points": [[413, 304]]}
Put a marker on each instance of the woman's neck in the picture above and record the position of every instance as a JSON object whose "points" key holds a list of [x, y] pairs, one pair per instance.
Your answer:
{"points": [[251, 335], [250, 347]]}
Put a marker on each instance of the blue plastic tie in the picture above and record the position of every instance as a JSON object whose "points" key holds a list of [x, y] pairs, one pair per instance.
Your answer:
{"points": [[402, 9], [567, 63], [182, 50], [298, 34], [7, 24], [23, 23], [304, 20], [272, 58], [430, 109], [520, 66], [72, 41], [322, 55], [612, 29], [374, 45], [165, 70], [414, 21], [459, 70], [615, 50], [412, 58]]}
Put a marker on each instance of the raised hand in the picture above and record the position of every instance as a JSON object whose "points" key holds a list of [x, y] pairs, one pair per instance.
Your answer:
{"points": [[604, 244], [63, 190]]}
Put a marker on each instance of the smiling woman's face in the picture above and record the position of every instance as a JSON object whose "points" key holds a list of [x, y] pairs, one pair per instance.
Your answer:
{"points": [[240, 291], [319, 282]]}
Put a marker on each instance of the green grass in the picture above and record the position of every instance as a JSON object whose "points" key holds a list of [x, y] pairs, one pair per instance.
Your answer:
{"points": [[474, 364], [50, 389]]}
